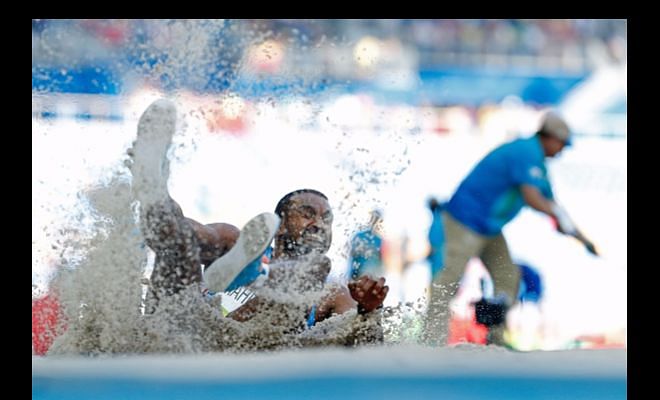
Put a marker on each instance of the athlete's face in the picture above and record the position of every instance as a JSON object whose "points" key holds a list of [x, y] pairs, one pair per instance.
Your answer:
{"points": [[306, 225]]}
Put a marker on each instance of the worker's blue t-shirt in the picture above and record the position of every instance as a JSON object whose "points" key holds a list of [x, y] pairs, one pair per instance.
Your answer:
{"points": [[489, 197]]}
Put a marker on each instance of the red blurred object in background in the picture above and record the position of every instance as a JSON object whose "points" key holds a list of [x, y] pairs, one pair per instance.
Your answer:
{"points": [[45, 316], [466, 330]]}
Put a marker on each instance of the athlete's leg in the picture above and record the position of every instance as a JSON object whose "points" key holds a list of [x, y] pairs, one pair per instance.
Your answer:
{"points": [[162, 223]]}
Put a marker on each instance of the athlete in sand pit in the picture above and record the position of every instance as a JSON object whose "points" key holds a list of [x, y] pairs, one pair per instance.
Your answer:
{"points": [[232, 258]]}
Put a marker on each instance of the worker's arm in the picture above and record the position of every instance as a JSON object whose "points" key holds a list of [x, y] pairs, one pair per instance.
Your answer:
{"points": [[565, 225]]}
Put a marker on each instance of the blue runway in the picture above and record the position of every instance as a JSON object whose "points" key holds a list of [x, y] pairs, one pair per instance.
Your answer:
{"points": [[405, 372]]}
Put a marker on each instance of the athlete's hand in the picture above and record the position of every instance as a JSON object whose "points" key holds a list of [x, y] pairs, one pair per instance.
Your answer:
{"points": [[369, 293]]}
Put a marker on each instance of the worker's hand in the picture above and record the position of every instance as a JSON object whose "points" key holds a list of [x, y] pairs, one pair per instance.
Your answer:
{"points": [[563, 222], [369, 293]]}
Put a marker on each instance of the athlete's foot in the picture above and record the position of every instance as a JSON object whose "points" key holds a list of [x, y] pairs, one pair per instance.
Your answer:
{"points": [[254, 239], [150, 168]]}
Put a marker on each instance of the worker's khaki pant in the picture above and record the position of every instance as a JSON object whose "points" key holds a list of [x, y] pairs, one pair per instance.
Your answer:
{"points": [[462, 244]]}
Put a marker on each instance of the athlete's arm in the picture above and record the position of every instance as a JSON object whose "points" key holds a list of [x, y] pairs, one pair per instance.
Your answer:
{"points": [[337, 302], [366, 294]]}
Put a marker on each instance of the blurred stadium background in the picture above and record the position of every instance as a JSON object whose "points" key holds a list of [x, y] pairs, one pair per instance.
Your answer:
{"points": [[375, 113]]}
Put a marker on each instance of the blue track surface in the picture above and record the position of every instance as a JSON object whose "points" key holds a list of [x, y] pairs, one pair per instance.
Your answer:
{"points": [[380, 373]]}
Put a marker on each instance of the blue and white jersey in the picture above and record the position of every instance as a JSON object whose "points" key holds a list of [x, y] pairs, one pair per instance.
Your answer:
{"points": [[237, 292]]}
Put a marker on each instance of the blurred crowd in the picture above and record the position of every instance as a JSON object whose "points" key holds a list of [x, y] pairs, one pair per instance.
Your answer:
{"points": [[562, 45]]}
